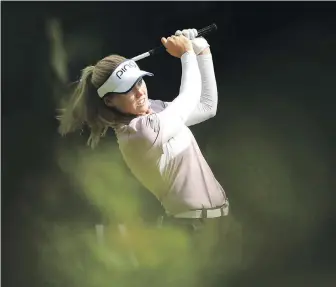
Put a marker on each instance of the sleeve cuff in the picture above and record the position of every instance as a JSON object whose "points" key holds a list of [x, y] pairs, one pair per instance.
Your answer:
{"points": [[205, 56]]}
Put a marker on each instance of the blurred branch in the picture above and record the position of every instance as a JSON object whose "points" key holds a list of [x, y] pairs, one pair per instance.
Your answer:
{"points": [[58, 55]]}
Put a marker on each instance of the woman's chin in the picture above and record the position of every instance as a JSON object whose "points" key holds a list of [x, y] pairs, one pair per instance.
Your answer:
{"points": [[142, 109]]}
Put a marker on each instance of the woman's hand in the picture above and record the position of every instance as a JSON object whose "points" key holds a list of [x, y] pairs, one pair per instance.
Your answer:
{"points": [[177, 45]]}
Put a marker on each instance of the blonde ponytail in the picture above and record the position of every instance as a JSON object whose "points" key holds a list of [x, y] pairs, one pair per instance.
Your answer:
{"points": [[85, 106], [74, 115]]}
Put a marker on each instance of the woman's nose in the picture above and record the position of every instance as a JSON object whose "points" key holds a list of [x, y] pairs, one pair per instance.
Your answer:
{"points": [[138, 92]]}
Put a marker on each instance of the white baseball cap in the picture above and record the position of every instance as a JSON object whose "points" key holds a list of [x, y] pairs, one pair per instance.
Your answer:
{"points": [[123, 78]]}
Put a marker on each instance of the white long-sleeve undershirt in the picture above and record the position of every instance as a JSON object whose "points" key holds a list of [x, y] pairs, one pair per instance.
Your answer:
{"points": [[207, 106], [178, 112]]}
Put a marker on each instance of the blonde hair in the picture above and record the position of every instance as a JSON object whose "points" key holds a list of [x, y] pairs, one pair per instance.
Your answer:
{"points": [[86, 107]]}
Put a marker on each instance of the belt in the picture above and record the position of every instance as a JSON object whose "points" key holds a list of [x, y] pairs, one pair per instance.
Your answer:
{"points": [[205, 213]]}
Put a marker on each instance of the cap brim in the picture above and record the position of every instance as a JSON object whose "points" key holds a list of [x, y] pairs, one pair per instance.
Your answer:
{"points": [[131, 80]]}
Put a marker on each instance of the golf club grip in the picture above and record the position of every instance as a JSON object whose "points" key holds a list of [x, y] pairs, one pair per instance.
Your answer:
{"points": [[201, 32]]}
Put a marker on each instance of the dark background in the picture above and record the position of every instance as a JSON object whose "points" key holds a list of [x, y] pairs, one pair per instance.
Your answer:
{"points": [[275, 68]]}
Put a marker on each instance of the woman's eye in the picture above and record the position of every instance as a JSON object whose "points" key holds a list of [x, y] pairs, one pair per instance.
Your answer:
{"points": [[139, 82]]}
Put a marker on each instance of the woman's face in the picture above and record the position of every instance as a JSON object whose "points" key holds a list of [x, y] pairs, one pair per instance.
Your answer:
{"points": [[134, 102]]}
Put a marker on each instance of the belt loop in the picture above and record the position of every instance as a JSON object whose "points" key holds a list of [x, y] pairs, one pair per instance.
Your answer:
{"points": [[204, 213]]}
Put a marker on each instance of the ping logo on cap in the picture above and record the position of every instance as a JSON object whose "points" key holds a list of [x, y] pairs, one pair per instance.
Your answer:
{"points": [[122, 79], [124, 68]]}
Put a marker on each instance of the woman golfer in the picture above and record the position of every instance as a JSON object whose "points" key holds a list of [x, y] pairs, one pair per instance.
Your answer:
{"points": [[153, 135]]}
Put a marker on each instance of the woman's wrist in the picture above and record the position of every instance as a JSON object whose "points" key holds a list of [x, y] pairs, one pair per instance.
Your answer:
{"points": [[188, 52]]}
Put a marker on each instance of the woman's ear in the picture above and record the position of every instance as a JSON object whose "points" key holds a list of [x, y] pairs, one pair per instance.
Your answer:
{"points": [[109, 100]]}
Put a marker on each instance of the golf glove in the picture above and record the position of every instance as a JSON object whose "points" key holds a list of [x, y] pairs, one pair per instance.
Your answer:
{"points": [[199, 44]]}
